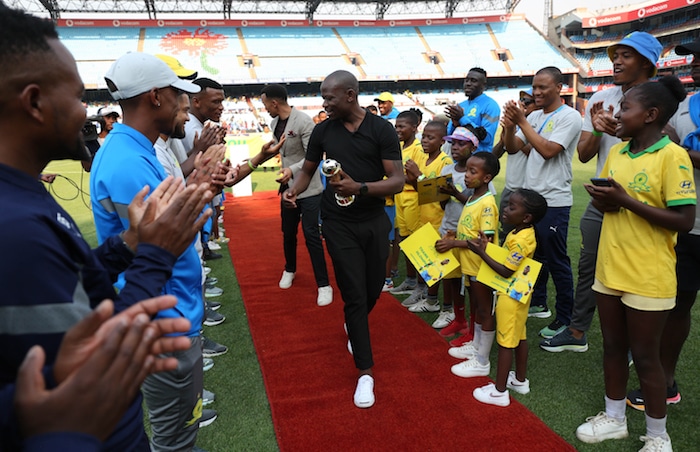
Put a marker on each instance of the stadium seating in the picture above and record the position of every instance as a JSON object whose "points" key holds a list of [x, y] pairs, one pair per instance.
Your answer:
{"points": [[297, 54]]}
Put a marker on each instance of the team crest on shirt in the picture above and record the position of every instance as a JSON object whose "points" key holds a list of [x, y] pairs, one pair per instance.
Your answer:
{"points": [[549, 127], [639, 183], [472, 113]]}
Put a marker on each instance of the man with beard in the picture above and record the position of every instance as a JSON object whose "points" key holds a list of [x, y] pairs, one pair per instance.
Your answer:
{"points": [[148, 91], [634, 62], [478, 109], [41, 115]]}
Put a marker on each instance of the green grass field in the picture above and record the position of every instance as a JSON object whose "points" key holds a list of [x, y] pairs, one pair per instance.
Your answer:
{"points": [[566, 387]]}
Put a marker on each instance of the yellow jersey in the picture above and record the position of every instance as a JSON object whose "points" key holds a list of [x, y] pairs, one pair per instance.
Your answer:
{"points": [[477, 215], [635, 256], [432, 212]]}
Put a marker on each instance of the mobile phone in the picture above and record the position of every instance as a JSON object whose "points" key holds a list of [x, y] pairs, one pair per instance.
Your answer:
{"points": [[601, 182]]}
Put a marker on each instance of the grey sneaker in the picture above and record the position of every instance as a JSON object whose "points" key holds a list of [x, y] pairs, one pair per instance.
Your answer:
{"points": [[565, 341], [420, 293], [404, 288], [211, 349], [208, 397], [208, 417], [213, 318]]}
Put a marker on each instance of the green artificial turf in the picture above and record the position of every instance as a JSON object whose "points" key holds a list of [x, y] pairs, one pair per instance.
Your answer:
{"points": [[566, 387]]}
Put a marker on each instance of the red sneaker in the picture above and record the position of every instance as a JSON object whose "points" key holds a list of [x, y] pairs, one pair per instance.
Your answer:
{"points": [[461, 340], [453, 328]]}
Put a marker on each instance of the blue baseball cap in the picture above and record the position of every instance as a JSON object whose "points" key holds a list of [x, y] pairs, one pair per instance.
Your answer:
{"points": [[645, 44]]}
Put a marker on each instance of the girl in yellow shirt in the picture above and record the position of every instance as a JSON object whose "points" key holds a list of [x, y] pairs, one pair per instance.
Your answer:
{"points": [[649, 198]]}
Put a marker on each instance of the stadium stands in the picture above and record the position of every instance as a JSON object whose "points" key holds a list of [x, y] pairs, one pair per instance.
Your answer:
{"points": [[244, 55]]}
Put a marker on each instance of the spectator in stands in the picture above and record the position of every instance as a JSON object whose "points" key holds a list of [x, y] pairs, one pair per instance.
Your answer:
{"points": [[385, 102], [147, 91], [553, 133], [109, 116], [41, 115], [634, 62], [357, 235], [684, 128], [296, 127], [478, 109], [516, 163]]}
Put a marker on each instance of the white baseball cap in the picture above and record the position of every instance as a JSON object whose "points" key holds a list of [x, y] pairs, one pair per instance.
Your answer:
{"points": [[137, 73]]}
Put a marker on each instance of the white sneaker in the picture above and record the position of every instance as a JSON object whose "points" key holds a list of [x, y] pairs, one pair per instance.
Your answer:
{"points": [[418, 294], [213, 245], [656, 444], [286, 281], [325, 295], [601, 427], [443, 319], [350, 347], [464, 351], [388, 286], [207, 270], [364, 392], [521, 387], [211, 292], [471, 368], [424, 306], [492, 396]]}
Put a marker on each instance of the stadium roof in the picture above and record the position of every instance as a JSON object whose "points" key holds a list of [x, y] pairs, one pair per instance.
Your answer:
{"points": [[308, 8]]}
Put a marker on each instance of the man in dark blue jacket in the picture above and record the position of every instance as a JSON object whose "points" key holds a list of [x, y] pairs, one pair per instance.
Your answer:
{"points": [[51, 279]]}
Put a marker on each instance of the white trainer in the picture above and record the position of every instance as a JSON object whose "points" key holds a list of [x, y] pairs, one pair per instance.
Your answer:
{"points": [[286, 281], [471, 368], [364, 392], [325, 295], [601, 427], [490, 395], [656, 444], [424, 306], [464, 351], [213, 245], [444, 319], [521, 387]]}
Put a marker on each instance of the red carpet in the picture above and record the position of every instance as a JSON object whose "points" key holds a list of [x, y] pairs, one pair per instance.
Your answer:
{"points": [[310, 376]]}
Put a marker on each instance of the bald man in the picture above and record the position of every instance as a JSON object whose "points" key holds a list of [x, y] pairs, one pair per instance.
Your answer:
{"points": [[356, 235]]}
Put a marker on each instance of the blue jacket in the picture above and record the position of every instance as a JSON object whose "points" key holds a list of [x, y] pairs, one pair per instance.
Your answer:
{"points": [[125, 164], [51, 279], [480, 112]]}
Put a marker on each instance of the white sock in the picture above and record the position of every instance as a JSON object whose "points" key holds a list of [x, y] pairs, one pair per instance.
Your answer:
{"points": [[485, 344], [615, 409], [656, 427], [477, 335]]}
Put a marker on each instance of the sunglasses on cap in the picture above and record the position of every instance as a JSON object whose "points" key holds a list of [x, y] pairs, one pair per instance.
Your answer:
{"points": [[527, 101]]}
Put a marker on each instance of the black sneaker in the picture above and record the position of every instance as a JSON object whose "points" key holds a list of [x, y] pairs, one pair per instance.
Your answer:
{"points": [[635, 399], [211, 349], [208, 416], [210, 255]]}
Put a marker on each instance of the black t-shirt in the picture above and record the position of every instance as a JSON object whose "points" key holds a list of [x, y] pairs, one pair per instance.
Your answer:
{"points": [[360, 155]]}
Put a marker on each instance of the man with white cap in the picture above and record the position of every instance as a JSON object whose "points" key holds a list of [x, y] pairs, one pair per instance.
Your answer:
{"points": [[385, 101], [109, 116], [147, 91], [634, 62]]}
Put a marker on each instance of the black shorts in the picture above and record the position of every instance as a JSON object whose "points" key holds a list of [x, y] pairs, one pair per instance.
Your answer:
{"points": [[688, 262]]}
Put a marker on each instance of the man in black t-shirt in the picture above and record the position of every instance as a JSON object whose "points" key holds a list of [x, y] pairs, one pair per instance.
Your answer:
{"points": [[356, 235]]}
